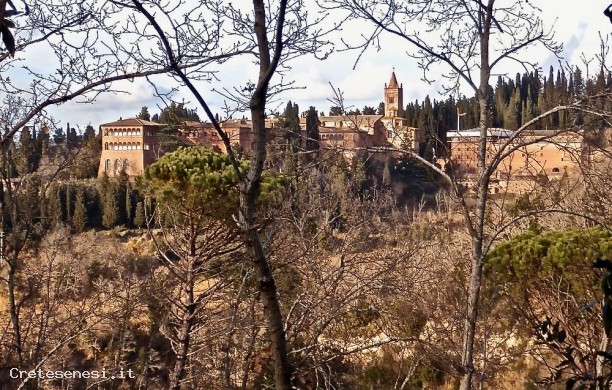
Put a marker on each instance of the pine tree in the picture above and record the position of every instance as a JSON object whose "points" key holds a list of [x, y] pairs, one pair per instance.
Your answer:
{"points": [[367, 110], [59, 136], [72, 138], [335, 110], [89, 133]]}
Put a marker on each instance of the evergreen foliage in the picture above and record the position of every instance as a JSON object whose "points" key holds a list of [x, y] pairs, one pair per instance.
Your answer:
{"points": [[139, 217], [59, 136], [290, 125], [89, 133], [533, 256], [144, 114], [198, 176], [79, 218], [312, 130], [177, 114]]}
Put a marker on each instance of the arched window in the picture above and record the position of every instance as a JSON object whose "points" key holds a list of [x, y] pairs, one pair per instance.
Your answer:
{"points": [[138, 146], [117, 166], [126, 164], [106, 146], [107, 166], [105, 131], [555, 170]]}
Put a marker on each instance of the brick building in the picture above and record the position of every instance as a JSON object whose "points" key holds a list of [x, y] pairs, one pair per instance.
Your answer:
{"points": [[539, 153], [130, 144], [351, 133], [133, 143]]}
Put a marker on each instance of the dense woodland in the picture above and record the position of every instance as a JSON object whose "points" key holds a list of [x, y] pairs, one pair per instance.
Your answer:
{"points": [[102, 277], [294, 267]]}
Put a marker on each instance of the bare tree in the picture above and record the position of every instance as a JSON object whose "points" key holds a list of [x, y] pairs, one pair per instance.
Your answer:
{"points": [[273, 32], [469, 40]]}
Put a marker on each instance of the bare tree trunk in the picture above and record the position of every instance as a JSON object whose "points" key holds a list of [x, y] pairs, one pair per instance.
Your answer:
{"points": [[13, 311], [267, 284], [599, 364], [469, 332], [250, 183], [184, 333]]}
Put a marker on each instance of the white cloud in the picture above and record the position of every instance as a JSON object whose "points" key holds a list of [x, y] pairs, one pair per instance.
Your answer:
{"points": [[575, 26]]}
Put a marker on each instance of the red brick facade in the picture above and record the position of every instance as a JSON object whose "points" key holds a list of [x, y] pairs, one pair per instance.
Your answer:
{"points": [[130, 144]]}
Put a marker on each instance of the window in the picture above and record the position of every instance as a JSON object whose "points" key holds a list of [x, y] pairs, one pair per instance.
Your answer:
{"points": [[117, 166], [126, 164], [389, 133], [107, 166], [106, 146], [391, 99], [105, 131], [555, 170], [146, 146]]}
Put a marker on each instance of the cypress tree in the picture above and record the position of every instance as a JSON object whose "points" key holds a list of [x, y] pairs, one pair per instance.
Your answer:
{"points": [[27, 155], [55, 205], [139, 218], [312, 130], [121, 197], [42, 141], [291, 124], [129, 204], [69, 202], [79, 219], [110, 209], [386, 179]]}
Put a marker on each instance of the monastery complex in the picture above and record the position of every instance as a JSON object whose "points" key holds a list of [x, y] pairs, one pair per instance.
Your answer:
{"points": [[133, 144]]}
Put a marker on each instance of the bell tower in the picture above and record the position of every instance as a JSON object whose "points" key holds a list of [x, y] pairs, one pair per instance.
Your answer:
{"points": [[394, 98]]}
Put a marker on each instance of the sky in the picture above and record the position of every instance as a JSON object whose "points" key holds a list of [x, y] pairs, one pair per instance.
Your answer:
{"points": [[576, 24]]}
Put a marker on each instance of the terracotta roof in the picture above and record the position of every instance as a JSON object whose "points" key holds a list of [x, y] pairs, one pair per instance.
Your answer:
{"points": [[199, 125], [131, 122], [360, 119], [393, 83]]}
